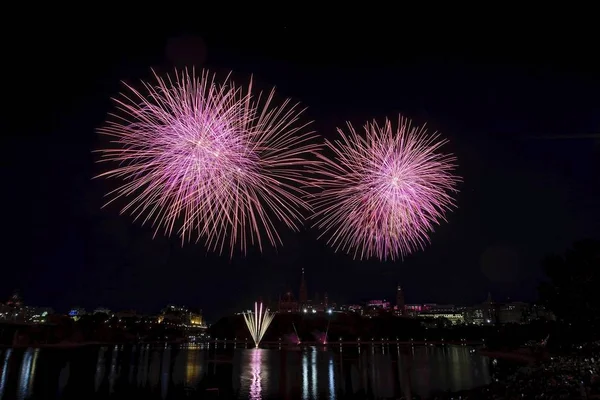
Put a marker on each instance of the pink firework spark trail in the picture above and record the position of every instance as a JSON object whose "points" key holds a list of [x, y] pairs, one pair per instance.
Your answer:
{"points": [[209, 159], [383, 192]]}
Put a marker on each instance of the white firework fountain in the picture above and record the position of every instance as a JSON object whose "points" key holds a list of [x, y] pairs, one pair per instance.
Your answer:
{"points": [[258, 322]]}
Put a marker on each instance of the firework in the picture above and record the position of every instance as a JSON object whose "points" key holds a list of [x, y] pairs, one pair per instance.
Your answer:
{"points": [[258, 322], [209, 160], [383, 193]]}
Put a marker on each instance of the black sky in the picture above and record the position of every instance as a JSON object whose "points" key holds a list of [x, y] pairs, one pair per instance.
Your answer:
{"points": [[522, 196]]}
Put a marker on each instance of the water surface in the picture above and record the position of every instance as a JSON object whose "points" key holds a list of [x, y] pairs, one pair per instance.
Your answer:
{"points": [[181, 372]]}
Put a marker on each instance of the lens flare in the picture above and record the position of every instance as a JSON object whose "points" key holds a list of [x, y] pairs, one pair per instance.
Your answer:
{"points": [[382, 193], [209, 160]]}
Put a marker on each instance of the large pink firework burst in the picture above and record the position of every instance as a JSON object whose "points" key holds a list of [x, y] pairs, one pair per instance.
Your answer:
{"points": [[382, 193], [209, 160]]}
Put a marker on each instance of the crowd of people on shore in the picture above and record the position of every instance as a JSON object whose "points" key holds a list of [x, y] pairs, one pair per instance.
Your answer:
{"points": [[575, 376]]}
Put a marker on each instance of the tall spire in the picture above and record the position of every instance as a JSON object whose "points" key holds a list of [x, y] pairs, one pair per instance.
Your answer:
{"points": [[400, 300], [303, 295]]}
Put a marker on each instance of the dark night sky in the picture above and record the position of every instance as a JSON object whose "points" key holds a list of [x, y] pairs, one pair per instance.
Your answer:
{"points": [[522, 197]]}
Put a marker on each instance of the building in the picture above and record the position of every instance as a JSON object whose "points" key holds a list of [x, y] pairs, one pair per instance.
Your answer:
{"points": [[76, 313], [400, 310], [288, 304], [455, 318], [5, 312], [181, 316], [474, 315], [102, 310], [353, 308], [412, 310], [196, 319], [539, 312], [513, 313], [40, 315], [374, 308], [15, 310], [379, 304], [455, 315], [489, 309]]}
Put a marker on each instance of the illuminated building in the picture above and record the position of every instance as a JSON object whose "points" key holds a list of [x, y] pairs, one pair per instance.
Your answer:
{"points": [[512, 313], [489, 311], [400, 310], [76, 313], [474, 315], [381, 304], [375, 307], [540, 312], [351, 308], [196, 319], [15, 310], [5, 312], [454, 317], [287, 303], [41, 315], [413, 310], [102, 310], [181, 316]]}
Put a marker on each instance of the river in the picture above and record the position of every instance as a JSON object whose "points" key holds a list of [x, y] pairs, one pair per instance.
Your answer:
{"points": [[195, 371]]}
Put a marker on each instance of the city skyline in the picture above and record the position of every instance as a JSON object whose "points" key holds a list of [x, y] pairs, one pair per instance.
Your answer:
{"points": [[192, 319], [293, 299]]}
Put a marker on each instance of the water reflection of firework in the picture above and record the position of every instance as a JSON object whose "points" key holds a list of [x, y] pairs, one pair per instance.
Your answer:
{"points": [[255, 386]]}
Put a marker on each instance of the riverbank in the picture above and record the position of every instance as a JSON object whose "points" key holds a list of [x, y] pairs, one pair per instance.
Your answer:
{"points": [[564, 377], [522, 355], [60, 345], [72, 345]]}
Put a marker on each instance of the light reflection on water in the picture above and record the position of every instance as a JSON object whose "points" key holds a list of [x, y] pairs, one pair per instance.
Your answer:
{"points": [[27, 374], [255, 385], [175, 372], [4, 373]]}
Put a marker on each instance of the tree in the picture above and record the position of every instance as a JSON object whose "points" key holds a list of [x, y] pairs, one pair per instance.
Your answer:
{"points": [[572, 291], [442, 323]]}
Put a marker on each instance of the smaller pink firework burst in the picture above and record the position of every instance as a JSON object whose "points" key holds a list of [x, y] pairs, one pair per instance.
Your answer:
{"points": [[383, 192]]}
